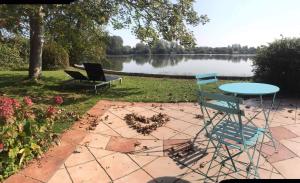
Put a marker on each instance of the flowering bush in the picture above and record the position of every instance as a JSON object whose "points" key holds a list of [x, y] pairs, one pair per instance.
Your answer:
{"points": [[26, 131], [58, 100]]}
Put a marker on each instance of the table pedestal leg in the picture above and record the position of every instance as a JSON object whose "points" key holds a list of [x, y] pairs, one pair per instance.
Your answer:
{"points": [[266, 113]]}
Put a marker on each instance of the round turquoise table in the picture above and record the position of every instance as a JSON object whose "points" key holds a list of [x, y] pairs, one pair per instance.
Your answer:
{"points": [[255, 89], [249, 88]]}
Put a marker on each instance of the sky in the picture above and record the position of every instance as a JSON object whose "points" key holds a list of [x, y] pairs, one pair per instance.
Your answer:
{"points": [[245, 22]]}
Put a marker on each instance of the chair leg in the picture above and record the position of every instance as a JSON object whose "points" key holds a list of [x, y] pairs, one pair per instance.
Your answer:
{"points": [[217, 147], [251, 164]]}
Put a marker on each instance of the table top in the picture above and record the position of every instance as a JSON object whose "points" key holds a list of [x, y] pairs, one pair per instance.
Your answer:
{"points": [[249, 88]]}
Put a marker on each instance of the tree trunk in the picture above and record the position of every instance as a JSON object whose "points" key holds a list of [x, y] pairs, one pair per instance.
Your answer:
{"points": [[36, 44]]}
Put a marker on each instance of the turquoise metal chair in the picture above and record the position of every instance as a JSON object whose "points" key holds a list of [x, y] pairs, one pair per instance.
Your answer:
{"points": [[229, 132], [204, 79]]}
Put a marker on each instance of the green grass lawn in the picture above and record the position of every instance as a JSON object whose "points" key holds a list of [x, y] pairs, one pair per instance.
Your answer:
{"points": [[80, 99]]}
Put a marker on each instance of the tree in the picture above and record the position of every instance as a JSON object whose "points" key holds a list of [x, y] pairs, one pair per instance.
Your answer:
{"points": [[141, 48], [115, 45], [151, 19]]}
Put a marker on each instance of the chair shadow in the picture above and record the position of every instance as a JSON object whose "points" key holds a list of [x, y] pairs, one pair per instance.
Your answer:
{"points": [[168, 180], [186, 154]]}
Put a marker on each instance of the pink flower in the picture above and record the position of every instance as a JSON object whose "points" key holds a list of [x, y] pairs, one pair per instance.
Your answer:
{"points": [[50, 111], [58, 100], [1, 147], [6, 108], [16, 103], [27, 100]]}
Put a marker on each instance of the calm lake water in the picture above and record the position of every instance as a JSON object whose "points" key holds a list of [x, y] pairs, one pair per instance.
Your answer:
{"points": [[223, 65]]}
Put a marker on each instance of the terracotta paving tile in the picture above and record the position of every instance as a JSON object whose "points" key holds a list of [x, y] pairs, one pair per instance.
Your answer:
{"points": [[280, 133], [44, 169], [88, 172], [282, 154], [284, 120], [177, 124], [173, 113], [99, 153], [115, 123], [191, 110], [175, 144], [63, 150], [163, 167], [120, 144], [141, 136], [298, 115], [135, 177], [267, 171], [142, 160], [135, 109], [181, 136], [119, 112], [149, 147], [18, 178], [118, 165], [108, 132], [287, 112], [294, 128], [100, 128], [289, 168], [193, 130], [127, 132], [95, 140], [192, 177], [164, 133], [80, 125], [192, 119], [79, 156], [107, 116], [73, 136], [293, 144], [60, 176], [148, 113]]}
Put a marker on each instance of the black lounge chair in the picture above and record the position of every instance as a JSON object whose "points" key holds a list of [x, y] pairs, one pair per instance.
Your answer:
{"points": [[95, 73], [76, 75]]}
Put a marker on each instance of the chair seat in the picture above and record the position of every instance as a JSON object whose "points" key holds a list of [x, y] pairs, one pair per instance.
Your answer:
{"points": [[112, 77], [228, 133], [224, 104]]}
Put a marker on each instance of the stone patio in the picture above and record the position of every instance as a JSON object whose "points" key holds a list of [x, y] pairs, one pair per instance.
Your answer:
{"points": [[113, 152]]}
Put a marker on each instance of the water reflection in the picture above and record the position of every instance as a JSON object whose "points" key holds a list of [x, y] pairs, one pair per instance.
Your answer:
{"points": [[182, 64]]}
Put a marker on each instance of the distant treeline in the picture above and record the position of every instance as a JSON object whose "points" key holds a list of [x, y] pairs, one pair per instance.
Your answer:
{"points": [[115, 47]]}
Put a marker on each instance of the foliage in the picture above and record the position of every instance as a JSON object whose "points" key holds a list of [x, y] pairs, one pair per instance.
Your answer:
{"points": [[54, 57], [10, 57], [142, 49], [115, 47], [26, 131], [279, 64]]}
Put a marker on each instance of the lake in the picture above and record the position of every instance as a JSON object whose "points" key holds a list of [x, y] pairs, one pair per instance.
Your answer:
{"points": [[223, 65]]}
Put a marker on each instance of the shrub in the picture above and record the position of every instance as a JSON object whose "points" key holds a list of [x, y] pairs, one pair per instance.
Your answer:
{"points": [[26, 130], [279, 64], [10, 57], [54, 57]]}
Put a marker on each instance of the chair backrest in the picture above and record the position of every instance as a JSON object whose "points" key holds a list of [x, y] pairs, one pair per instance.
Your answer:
{"points": [[203, 79], [94, 71], [232, 103], [76, 75]]}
